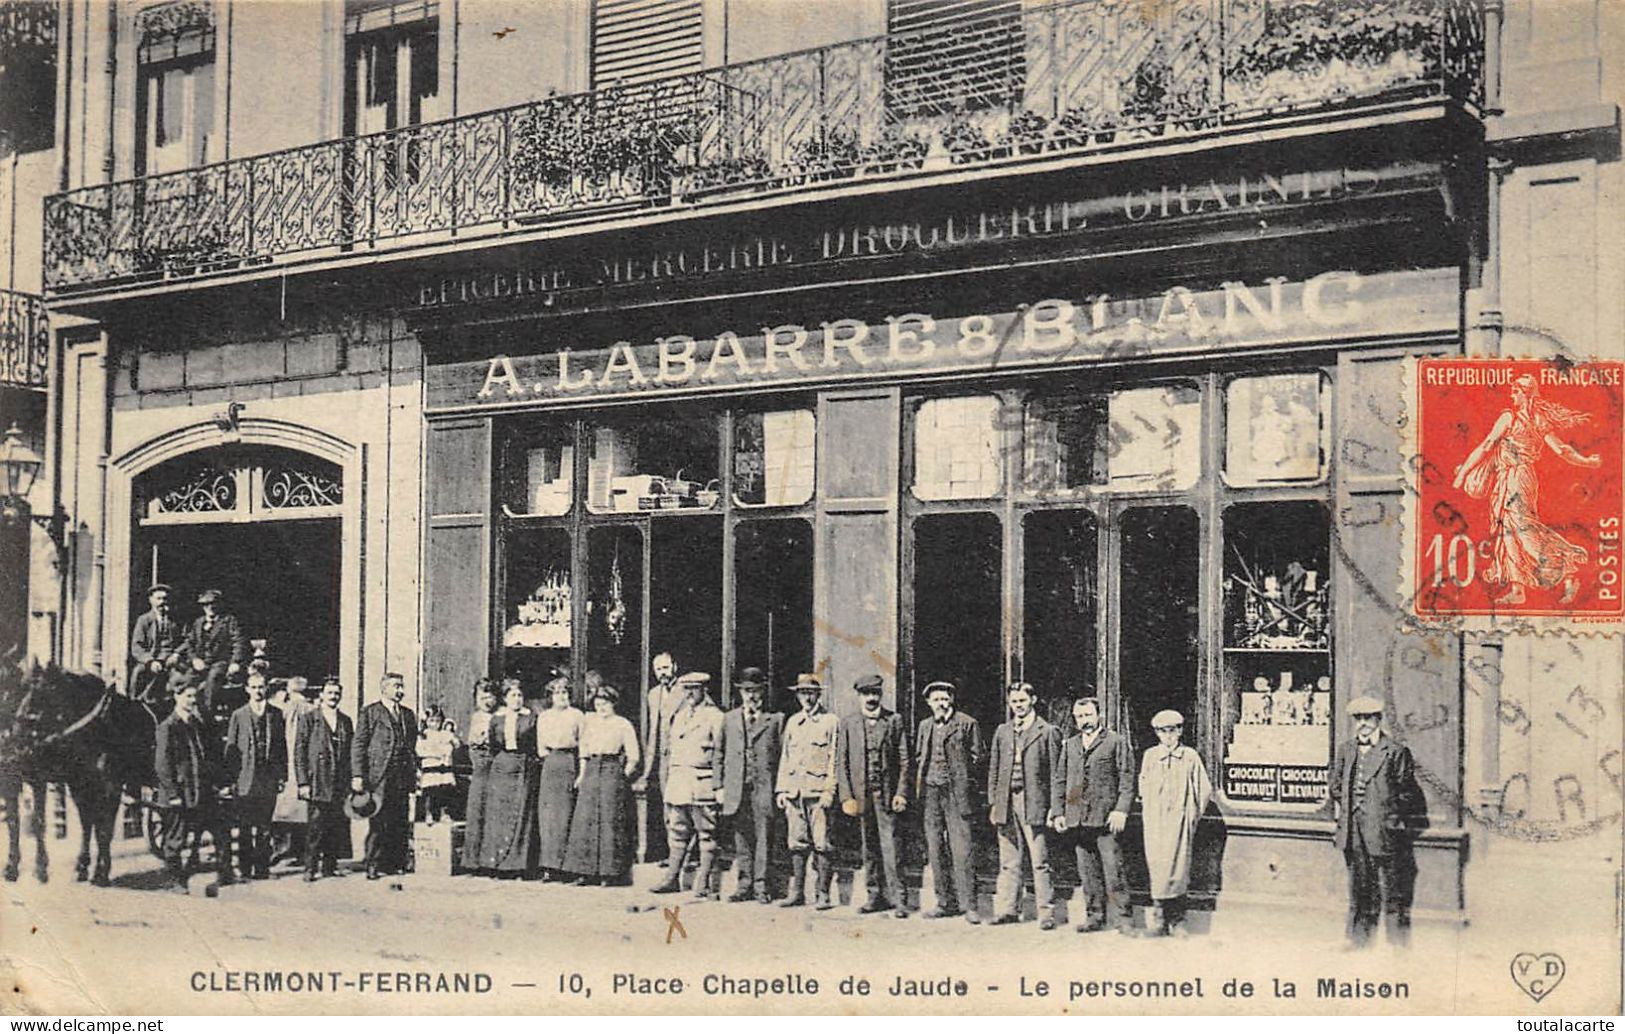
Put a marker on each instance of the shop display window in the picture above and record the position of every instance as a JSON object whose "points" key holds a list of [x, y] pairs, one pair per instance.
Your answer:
{"points": [[958, 609], [1160, 549], [536, 615], [654, 465], [1063, 444], [773, 602], [615, 612], [538, 472], [685, 594], [1061, 591], [956, 448], [773, 458], [1278, 690], [1152, 439], [1277, 428]]}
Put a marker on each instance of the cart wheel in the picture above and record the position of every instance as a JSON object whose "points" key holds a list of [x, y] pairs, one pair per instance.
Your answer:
{"points": [[155, 831]]}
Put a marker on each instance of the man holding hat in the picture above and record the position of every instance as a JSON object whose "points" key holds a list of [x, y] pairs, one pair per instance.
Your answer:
{"points": [[383, 759], [1380, 811], [1174, 791], [1024, 791], [752, 738], [321, 769], [948, 746], [155, 644], [689, 778], [872, 768], [805, 790], [217, 647]]}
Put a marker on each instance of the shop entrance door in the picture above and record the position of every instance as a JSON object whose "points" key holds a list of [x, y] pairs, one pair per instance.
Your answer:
{"points": [[280, 579]]}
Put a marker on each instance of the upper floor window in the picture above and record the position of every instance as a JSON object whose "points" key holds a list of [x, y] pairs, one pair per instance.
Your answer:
{"points": [[392, 65], [27, 76], [635, 41], [943, 58], [175, 98]]}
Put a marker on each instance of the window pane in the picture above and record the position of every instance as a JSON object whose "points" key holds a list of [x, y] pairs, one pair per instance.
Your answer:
{"points": [[615, 612], [660, 464], [1063, 444], [958, 610], [956, 448], [773, 602], [685, 593], [1157, 655], [1153, 438], [1276, 428], [1058, 612], [1277, 655], [536, 609], [774, 458], [539, 465]]}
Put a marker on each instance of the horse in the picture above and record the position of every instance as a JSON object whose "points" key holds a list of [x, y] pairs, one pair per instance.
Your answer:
{"points": [[71, 728]]}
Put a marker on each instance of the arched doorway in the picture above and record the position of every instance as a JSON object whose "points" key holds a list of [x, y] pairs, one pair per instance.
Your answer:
{"points": [[261, 523]]}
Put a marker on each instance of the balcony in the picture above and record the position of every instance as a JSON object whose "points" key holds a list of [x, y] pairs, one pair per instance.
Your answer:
{"points": [[25, 341], [1054, 81]]}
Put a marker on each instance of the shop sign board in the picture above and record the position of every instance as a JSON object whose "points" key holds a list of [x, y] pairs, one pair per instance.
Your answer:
{"points": [[1048, 333], [1285, 784]]}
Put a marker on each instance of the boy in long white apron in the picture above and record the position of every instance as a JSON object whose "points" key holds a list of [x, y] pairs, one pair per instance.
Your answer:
{"points": [[1174, 791]]}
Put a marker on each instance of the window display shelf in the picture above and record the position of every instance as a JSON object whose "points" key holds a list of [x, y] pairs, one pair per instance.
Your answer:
{"points": [[1277, 649]]}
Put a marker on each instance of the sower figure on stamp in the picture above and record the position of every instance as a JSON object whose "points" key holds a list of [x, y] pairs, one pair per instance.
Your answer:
{"points": [[321, 768], [805, 790], [948, 746], [190, 775], [382, 760], [664, 699], [752, 738], [872, 770], [257, 762], [1024, 795], [1174, 792], [690, 783], [216, 647], [156, 644], [1380, 811], [1099, 791]]}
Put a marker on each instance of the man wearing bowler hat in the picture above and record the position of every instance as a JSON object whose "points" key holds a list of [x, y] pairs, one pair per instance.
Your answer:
{"points": [[805, 791], [872, 773], [690, 782], [383, 757], [948, 746], [217, 648], [1380, 812], [752, 737], [156, 643]]}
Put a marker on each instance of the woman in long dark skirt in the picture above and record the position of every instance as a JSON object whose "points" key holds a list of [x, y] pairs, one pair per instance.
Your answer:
{"points": [[510, 799], [602, 840], [479, 756], [558, 731]]}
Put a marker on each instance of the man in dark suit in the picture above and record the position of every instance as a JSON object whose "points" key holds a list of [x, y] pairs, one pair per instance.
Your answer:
{"points": [[156, 644], [665, 697], [383, 757], [216, 647], [1380, 811], [948, 752], [1024, 793], [1099, 780], [871, 777], [257, 763], [751, 740], [189, 778], [321, 770]]}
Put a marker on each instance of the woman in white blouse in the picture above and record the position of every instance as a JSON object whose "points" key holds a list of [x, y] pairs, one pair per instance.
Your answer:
{"points": [[558, 730], [602, 839], [510, 798]]}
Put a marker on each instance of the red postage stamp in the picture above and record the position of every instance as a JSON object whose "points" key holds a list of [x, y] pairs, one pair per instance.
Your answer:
{"points": [[1515, 517]]}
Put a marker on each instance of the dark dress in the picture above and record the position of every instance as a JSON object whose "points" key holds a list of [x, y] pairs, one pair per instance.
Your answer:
{"points": [[508, 840], [479, 758], [602, 839], [557, 731]]}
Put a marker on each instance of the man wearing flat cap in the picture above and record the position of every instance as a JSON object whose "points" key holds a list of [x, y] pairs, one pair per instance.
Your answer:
{"points": [[692, 765], [156, 643], [805, 790], [948, 749], [1174, 792], [752, 738], [1380, 811], [872, 775], [217, 648]]}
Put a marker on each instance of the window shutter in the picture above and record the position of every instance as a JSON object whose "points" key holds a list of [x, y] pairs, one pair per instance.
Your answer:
{"points": [[636, 41], [945, 56]]}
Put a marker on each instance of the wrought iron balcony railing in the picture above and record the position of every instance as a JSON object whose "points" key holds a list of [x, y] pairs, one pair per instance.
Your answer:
{"points": [[1063, 77], [25, 341]]}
